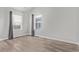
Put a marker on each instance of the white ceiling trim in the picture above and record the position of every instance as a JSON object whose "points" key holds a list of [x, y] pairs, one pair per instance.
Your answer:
{"points": [[22, 8]]}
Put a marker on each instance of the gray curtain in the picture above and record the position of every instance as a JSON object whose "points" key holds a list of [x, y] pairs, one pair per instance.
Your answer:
{"points": [[33, 31], [10, 35]]}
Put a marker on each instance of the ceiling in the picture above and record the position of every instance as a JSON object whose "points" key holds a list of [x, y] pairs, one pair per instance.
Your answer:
{"points": [[22, 8]]}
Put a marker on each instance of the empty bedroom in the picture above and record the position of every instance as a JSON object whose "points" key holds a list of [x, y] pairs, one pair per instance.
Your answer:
{"points": [[39, 29]]}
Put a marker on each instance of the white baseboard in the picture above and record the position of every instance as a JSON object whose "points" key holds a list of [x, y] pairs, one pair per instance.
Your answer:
{"points": [[52, 38], [3, 39], [59, 39], [14, 37]]}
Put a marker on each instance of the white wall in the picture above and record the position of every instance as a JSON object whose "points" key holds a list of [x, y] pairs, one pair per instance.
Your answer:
{"points": [[26, 22], [4, 23], [58, 23], [77, 24], [29, 20]]}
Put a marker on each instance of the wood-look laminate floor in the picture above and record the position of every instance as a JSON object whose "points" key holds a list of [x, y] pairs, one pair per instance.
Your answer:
{"points": [[36, 44]]}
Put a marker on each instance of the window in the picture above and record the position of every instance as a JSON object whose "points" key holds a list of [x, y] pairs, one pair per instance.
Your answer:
{"points": [[38, 21], [17, 21]]}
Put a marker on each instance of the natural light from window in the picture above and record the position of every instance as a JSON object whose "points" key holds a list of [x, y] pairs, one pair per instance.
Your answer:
{"points": [[17, 21]]}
